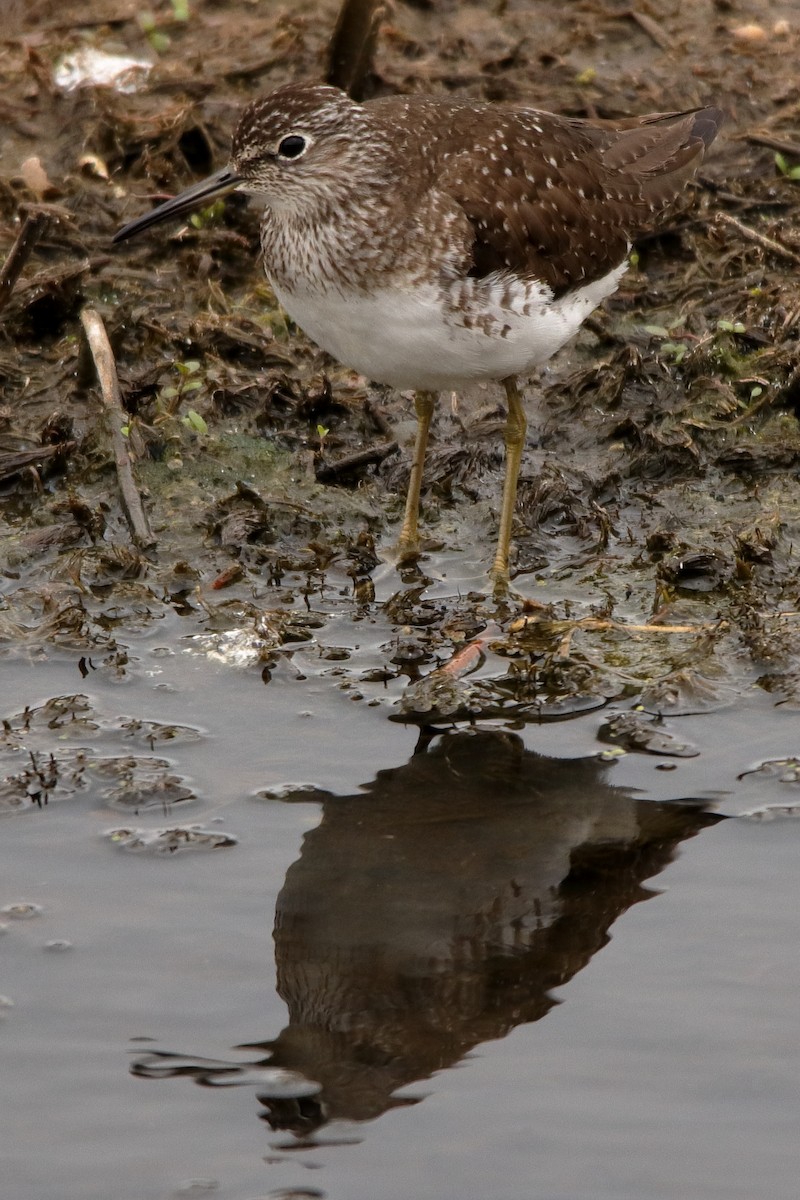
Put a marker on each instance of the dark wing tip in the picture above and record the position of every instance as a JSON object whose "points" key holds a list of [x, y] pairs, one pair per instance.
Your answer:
{"points": [[707, 124]]}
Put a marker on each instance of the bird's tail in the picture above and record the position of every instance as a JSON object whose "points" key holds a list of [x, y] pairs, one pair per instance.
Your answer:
{"points": [[663, 151]]}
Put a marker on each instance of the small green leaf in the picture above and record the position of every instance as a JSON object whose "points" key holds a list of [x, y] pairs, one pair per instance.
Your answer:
{"points": [[676, 350], [782, 163], [731, 327], [180, 10], [192, 385], [322, 432], [657, 330], [159, 41], [212, 212], [187, 368], [195, 422], [755, 392]]}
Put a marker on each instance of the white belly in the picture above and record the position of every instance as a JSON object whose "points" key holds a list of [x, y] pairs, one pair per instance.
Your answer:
{"points": [[413, 340]]}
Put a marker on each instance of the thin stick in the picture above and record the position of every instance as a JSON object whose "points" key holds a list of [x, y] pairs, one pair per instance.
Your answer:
{"points": [[352, 48], [33, 228], [105, 366], [651, 28], [14, 464], [377, 416], [751, 235], [597, 623], [327, 472], [774, 143]]}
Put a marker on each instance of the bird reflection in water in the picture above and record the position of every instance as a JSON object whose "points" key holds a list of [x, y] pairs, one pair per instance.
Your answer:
{"points": [[438, 909]]}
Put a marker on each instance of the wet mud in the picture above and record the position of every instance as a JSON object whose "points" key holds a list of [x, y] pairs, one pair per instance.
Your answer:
{"points": [[320, 829], [657, 516]]}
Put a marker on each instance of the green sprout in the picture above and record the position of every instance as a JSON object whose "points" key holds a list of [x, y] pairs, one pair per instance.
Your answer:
{"points": [[158, 40], [788, 171], [192, 420], [170, 397], [205, 216], [677, 351], [674, 350], [731, 327]]}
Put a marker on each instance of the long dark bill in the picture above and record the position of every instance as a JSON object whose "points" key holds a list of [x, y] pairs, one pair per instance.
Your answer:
{"points": [[197, 196]]}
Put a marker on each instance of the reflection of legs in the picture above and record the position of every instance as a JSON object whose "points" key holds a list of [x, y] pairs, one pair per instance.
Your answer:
{"points": [[516, 425], [408, 546]]}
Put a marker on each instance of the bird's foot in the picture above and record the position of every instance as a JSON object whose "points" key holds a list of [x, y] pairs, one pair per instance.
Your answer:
{"points": [[499, 577], [503, 594], [409, 550]]}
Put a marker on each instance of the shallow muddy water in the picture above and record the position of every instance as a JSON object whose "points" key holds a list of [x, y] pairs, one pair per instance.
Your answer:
{"points": [[482, 963]]}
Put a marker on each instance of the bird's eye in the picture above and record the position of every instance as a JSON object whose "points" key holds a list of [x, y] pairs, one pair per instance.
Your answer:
{"points": [[292, 146]]}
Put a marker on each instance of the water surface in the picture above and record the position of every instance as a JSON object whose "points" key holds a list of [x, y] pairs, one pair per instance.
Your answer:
{"points": [[482, 962]]}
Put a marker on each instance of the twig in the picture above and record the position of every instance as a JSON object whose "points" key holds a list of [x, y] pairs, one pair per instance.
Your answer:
{"points": [[598, 623], [33, 228], [15, 463], [751, 235], [651, 28], [352, 47], [783, 145], [379, 419], [362, 458], [468, 656], [103, 357]]}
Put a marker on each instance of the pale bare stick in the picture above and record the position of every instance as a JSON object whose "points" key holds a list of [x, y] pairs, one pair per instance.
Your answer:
{"points": [[752, 235], [103, 357]]}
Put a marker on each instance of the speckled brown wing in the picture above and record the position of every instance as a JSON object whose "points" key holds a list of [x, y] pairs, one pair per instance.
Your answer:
{"points": [[566, 197]]}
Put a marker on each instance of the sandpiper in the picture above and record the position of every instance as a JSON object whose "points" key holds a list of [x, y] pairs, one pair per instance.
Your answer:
{"points": [[429, 242]]}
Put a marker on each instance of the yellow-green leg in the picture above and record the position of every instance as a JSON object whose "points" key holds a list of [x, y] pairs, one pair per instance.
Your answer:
{"points": [[408, 545], [516, 425]]}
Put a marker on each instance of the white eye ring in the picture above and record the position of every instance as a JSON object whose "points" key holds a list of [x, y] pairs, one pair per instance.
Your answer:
{"points": [[294, 145]]}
